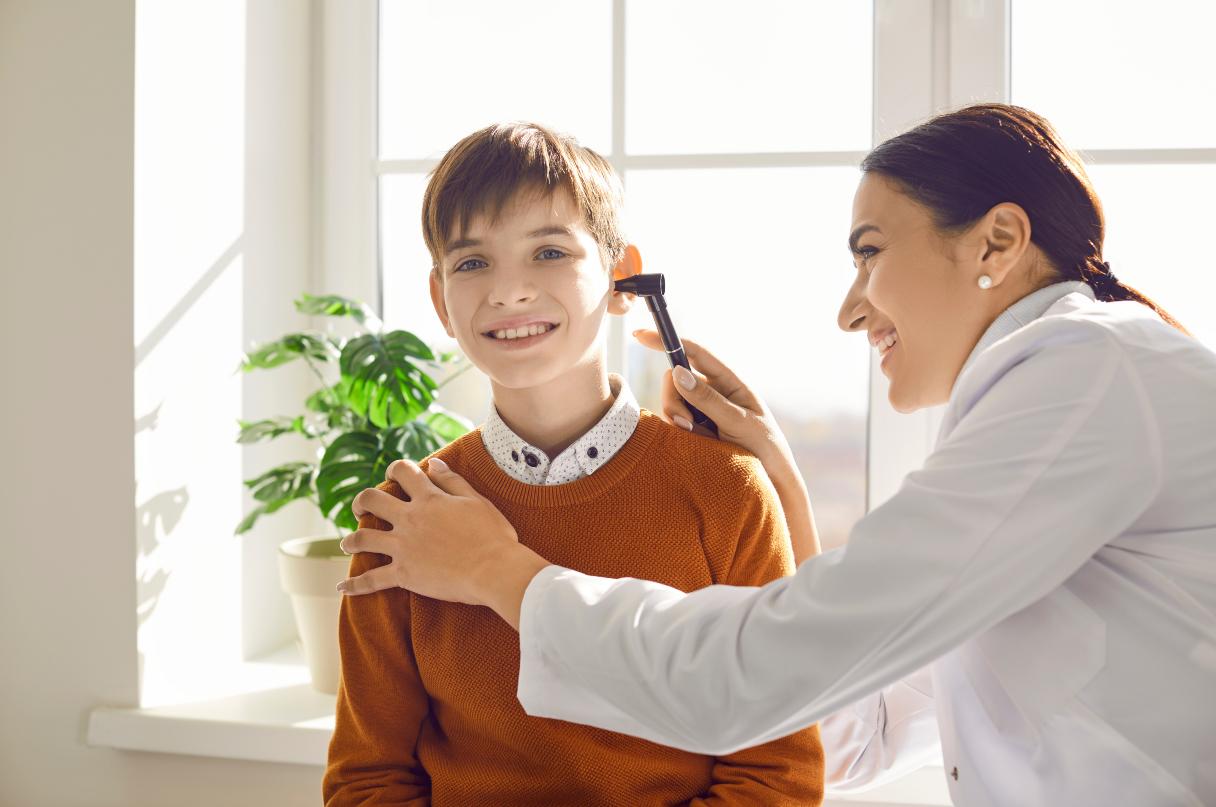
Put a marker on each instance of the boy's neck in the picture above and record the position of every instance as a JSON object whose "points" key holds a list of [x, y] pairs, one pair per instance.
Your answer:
{"points": [[552, 416]]}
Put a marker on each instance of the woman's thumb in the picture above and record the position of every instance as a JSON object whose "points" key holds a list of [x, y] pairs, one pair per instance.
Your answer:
{"points": [[704, 397], [448, 480]]}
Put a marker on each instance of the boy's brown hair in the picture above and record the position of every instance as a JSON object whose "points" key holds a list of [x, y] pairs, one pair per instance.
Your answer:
{"points": [[485, 170]]}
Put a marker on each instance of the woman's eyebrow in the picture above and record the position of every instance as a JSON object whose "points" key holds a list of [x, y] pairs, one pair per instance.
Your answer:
{"points": [[856, 235]]}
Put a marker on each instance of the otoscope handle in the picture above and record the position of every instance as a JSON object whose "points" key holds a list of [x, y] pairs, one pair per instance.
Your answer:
{"points": [[675, 352], [698, 417]]}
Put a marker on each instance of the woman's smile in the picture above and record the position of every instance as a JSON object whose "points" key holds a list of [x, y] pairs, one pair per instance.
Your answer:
{"points": [[885, 343]]}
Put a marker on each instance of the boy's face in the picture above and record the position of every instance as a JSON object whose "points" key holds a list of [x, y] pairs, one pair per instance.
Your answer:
{"points": [[524, 295]]}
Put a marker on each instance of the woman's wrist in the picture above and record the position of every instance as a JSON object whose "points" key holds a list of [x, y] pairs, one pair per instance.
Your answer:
{"points": [[502, 580]]}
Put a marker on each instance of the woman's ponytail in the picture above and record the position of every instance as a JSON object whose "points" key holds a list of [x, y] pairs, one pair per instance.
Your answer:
{"points": [[1110, 289]]}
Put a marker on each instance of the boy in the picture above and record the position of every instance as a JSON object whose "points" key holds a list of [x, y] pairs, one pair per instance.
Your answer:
{"points": [[523, 228]]}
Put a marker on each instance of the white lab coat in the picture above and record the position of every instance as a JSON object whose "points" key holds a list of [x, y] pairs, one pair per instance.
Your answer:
{"points": [[1043, 590]]}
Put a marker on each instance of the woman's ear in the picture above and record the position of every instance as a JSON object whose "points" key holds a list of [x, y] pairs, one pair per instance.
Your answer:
{"points": [[1004, 239], [441, 306], [630, 264]]}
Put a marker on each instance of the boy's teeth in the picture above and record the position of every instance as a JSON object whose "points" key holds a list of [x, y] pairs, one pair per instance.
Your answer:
{"points": [[522, 332]]}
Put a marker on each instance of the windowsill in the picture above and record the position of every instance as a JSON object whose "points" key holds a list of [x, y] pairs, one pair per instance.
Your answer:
{"points": [[275, 717], [293, 723]]}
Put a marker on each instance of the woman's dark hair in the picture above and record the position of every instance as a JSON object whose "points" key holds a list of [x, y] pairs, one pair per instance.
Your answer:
{"points": [[962, 164]]}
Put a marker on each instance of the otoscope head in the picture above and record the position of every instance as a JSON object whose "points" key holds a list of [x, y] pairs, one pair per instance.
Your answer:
{"points": [[642, 285]]}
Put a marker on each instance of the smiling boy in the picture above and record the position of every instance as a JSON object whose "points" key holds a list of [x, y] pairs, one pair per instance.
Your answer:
{"points": [[523, 228]]}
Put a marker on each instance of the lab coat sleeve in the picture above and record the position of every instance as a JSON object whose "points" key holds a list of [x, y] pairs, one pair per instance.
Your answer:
{"points": [[1011, 503], [882, 736]]}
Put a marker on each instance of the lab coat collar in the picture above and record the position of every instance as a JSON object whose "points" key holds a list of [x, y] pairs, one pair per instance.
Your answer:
{"points": [[1022, 313]]}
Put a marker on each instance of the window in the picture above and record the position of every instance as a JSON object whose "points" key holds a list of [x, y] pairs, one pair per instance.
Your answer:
{"points": [[1134, 107], [728, 146]]}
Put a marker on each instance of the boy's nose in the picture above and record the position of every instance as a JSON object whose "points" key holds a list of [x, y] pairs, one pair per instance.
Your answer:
{"points": [[513, 290]]}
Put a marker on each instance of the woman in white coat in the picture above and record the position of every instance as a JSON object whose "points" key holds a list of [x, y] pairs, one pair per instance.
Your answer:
{"points": [[1036, 606]]}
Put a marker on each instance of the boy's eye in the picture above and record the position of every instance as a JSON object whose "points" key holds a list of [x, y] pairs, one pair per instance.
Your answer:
{"points": [[551, 254], [469, 265]]}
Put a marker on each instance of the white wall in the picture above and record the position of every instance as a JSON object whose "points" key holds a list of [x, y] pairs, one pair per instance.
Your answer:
{"points": [[68, 622]]}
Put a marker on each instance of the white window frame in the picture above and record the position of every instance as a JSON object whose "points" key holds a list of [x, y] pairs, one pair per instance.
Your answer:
{"points": [[920, 47]]}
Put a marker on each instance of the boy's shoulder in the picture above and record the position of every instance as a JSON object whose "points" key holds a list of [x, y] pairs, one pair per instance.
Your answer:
{"points": [[700, 458]]}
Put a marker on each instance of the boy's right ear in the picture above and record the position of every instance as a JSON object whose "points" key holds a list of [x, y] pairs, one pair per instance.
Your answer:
{"points": [[630, 264], [441, 306]]}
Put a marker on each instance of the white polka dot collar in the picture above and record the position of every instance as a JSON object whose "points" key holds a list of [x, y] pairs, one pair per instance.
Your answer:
{"points": [[528, 464]]}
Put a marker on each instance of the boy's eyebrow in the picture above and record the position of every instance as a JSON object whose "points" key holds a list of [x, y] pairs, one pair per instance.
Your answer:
{"points": [[462, 243], [856, 235], [552, 230]]}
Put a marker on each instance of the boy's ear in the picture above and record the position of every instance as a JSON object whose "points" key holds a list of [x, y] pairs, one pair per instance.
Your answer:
{"points": [[441, 306], [619, 303]]}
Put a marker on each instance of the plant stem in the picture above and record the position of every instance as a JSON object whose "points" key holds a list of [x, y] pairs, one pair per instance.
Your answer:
{"points": [[324, 385]]}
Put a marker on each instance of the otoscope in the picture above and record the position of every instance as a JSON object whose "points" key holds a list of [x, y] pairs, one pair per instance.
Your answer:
{"points": [[651, 287]]}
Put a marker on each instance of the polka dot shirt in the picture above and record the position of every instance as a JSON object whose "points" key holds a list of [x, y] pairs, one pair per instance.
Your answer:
{"points": [[528, 464]]}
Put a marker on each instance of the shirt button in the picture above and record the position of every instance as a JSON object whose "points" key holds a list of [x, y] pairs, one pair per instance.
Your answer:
{"points": [[515, 456], [954, 774], [531, 460], [593, 452]]}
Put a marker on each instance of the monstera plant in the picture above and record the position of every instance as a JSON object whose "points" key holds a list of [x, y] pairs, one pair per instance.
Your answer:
{"points": [[380, 406]]}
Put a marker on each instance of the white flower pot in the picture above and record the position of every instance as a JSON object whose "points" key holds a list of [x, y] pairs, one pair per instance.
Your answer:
{"points": [[309, 569]]}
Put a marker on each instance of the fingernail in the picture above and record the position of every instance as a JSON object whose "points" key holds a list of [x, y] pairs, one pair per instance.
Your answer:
{"points": [[342, 587], [683, 377], [636, 331], [682, 423], [438, 465]]}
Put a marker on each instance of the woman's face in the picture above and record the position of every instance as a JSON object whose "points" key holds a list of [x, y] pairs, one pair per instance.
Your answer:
{"points": [[916, 293]]}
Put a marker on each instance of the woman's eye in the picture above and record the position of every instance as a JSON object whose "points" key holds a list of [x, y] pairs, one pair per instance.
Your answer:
{"points": [[469, 265], [550, 254], [866, 254]]}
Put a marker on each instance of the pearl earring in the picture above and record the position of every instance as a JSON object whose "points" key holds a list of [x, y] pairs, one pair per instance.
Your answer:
{"points": [[985, 282]]}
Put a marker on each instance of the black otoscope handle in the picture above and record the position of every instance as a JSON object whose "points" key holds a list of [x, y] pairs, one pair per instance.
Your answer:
{"points": [[675, 352]]}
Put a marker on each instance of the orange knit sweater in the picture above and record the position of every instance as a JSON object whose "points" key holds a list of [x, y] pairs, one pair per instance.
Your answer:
{"points": [[427, 712]]}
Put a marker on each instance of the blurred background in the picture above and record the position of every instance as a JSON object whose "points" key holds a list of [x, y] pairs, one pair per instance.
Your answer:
{"points": [[175, 173]]}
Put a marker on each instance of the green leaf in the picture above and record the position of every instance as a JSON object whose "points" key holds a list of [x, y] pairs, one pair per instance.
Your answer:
{"points": [[333, 305], [352, 462], [380, 380], [277, 487], [254, 431], [414, 441], [323, 400], [288, 481], [290, 348], [248, 521], [447, 425]]}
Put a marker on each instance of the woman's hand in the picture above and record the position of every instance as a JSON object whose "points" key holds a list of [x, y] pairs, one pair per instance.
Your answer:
{"points": [[447, 542], [743, 419]]}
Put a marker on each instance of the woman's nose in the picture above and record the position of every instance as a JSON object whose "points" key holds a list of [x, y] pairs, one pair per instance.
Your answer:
{"points": [[853, 311]]}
